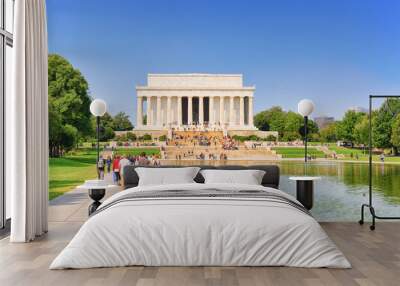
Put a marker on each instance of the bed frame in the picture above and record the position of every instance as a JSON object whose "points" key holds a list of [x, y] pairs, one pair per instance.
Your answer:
{"points": [[270, 179]]}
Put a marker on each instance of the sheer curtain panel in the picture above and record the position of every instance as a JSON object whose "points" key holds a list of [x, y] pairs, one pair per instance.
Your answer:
{"points": [[28, 119]]}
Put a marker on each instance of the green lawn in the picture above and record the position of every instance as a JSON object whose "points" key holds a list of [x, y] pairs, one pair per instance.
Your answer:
{"points": [[137, 151], [72, 170], [345, 151], [297, 152]]}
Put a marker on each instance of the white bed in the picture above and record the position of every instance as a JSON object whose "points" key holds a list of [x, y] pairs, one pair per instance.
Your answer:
{"points": [[202, 231]]}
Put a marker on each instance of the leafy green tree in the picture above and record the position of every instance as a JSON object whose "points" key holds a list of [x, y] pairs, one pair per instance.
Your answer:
{"points": [[395, 139], [261, 121], [328, 133], [69, 101], [122, 122], [106, 127], [382, 123], [271, 119], [293, 122], [345, 128], [107, 134], [55, 130], [69, 136], [291, 136], [361, 131]]}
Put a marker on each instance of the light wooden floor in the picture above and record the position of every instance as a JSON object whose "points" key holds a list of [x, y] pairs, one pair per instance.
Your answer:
{"points": [[375, 257]]}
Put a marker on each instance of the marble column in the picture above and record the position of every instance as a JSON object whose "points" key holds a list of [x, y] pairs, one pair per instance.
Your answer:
{"points": [[251, 111], [139, 111], [148, 111], [211, 111], [231, 111], [179, 110], [221, 111], [241, 112], [159, 115], [201, 111], [190, 110], [168, 111]]}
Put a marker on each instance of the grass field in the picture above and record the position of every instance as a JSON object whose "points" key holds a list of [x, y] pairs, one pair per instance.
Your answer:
{"points": [[297, 152], [72, 170], [346, 151], [362, 156], [137, 151]]}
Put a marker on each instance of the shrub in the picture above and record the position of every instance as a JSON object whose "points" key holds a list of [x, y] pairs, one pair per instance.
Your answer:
{"points": [[270, 138], [146, 137], [131, 136]]}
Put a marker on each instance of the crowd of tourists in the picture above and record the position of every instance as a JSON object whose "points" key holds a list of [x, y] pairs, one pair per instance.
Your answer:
{"points": [[201, 156], [229, 144], [115, 164]]}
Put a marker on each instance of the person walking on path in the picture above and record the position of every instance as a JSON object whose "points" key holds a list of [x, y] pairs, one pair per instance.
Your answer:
{"points": [[100, 168], [115, 166], [108, 163], [122, 163]]}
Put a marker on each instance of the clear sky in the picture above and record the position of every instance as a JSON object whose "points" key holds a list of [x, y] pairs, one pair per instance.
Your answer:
{"points": [[333, 52]]}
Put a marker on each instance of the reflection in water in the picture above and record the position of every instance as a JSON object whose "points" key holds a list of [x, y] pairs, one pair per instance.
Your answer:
{"points": [[343, 188]]}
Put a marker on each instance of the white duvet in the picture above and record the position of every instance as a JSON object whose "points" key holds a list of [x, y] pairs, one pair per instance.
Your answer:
{"points": [[200, 231]]}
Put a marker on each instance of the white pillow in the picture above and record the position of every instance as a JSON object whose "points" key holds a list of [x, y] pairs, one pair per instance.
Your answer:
{"points": [[248, 177], [166, 176]]}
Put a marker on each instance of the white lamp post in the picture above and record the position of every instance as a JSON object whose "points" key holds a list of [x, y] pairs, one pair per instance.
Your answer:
{"points": [[98, 108], [305, 108]]}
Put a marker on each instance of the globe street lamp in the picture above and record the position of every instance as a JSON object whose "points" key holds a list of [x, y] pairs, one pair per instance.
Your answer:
{"points": [[305, 108], [98, 108]]}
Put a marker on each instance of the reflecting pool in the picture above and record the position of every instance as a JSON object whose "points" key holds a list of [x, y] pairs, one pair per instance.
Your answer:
{"points": [[343, 188]]}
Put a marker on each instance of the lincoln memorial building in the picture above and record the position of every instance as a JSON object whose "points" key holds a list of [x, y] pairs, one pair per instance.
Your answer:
{"points": [[195, 102]]}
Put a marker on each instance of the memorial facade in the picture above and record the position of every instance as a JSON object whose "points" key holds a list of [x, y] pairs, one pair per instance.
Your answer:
{"points": [[195, 102]]}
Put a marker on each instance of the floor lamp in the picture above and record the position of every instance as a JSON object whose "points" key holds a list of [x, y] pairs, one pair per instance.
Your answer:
{"points": [[369, 205], [98, 108]]}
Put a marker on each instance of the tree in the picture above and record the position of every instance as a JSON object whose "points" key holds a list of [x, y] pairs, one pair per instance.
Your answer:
{"points": [[271, 119], [106, 133], [382, 123], [361, 131], [106, 127], [69, 102], [286, 123], [395, 139], [261, 121], [55, 130], [328, 133], [122, 122], [345, 128], [69, 136], [293, 122]]}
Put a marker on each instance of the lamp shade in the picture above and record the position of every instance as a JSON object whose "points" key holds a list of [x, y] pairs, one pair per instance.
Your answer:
{"points": [[98, 107], [305, 107]]}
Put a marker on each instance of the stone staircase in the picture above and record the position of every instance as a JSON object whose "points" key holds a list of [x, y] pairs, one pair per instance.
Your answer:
{"points": [[243, 153]]}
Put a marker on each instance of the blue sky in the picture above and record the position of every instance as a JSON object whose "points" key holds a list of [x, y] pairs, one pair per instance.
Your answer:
{"points": [[333, 52]]}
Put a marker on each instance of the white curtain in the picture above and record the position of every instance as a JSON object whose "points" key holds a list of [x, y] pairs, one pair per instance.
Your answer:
{"points": [[27, 148]]}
